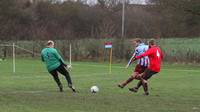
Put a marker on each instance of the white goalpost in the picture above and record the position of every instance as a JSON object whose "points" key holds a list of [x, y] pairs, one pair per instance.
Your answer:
{"points": [[70, 54], [14, 66], [13, 55]]}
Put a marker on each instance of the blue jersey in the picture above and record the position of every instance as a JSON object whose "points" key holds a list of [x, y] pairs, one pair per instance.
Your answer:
{"points": [[140, 49]]}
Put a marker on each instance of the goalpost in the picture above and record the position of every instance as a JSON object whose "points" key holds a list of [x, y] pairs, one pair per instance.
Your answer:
{"points": [[70, 54], [13, 54], [14, 69]]}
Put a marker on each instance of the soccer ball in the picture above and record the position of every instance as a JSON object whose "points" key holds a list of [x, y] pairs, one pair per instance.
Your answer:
{"points": [[94, 89]]}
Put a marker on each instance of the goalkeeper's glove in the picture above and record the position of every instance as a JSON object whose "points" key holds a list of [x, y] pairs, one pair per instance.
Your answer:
{"points": [[69, 67], [65, 65]]}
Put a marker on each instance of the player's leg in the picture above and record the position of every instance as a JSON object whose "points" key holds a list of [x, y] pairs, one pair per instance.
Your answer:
{"points": [[137, 71], [130, 79], [145, 87], [64, 72], [135, 89], [57, 80], [147, 75], [143, 82], [139, 84]]}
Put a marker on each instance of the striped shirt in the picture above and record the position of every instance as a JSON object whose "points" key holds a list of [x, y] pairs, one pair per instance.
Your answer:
{"points": [[140, 49]]}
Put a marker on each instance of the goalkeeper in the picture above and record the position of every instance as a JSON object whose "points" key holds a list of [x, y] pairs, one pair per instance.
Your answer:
{"points": [[55, 64]]}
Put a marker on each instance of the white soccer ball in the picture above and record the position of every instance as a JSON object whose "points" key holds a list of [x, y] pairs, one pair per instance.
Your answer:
{"points": [[94, 89]]}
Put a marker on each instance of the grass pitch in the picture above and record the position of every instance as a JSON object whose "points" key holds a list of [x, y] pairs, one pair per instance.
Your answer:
{"points": [[31, 89]]}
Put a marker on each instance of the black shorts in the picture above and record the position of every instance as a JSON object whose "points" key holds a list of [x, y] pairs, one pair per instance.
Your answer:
{"points": [[148, 74], [61, 69]]}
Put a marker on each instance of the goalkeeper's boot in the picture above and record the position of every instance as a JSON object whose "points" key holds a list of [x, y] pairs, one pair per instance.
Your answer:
{"points": [[135, 89], [72, 88]]}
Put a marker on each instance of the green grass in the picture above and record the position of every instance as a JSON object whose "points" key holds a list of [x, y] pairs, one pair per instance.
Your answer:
{"points": [[31, 89]]}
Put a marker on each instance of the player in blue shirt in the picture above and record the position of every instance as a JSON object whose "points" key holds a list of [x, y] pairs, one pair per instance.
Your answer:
{"points": [[142, 63]]}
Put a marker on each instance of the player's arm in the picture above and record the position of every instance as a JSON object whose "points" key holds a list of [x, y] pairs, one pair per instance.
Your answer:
{"points": [[61, 60], [132, 58], [42, 58], [130, 61], [57, 55], [148, 52]]}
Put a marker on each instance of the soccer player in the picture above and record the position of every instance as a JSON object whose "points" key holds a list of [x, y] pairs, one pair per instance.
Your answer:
{"points": [[55, 64], [142, 63], [155, 57]]}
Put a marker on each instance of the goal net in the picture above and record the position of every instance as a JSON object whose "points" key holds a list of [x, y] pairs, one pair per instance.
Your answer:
{"points": [[18, 59]]}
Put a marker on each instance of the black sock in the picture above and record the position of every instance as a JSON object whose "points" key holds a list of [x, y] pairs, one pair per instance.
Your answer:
{"points": [[57, 80], [68, 78]]}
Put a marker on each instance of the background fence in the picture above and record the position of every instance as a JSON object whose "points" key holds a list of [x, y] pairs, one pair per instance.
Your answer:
{"points": [[175, 50]]}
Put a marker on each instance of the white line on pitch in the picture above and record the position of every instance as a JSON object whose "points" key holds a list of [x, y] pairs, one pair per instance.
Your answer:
{"points": [[22, 91], [75, 76], [185, 70]]}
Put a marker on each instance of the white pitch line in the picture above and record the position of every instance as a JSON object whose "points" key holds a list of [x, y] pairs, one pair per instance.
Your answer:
{"points": [[22, 92], [185, 70], [74, 76]]}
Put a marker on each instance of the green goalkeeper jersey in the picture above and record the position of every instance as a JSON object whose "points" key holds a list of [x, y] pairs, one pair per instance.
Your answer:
{"points": [[51, 58]]}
